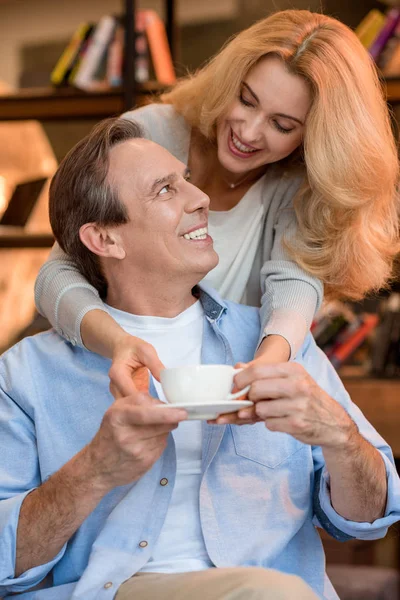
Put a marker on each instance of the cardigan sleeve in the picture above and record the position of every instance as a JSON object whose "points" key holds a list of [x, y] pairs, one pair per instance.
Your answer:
{"points": [[64, 296], [290, 296]]}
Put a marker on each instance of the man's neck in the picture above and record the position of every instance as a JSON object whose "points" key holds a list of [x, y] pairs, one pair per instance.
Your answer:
{"points": [[147, 298]]}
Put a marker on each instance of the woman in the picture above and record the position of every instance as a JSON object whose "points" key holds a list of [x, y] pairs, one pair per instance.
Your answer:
{"points": [[287, 131]]}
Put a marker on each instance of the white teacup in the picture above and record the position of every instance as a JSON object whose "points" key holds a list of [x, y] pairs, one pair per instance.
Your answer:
{"points": [[200, 384]]}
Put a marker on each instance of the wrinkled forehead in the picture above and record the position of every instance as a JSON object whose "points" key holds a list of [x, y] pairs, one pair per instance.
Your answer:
{"points": [[137, 163]]}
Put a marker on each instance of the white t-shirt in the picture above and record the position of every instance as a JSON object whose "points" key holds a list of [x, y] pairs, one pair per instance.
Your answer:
{"points": [[236, 234], [178, 341]]}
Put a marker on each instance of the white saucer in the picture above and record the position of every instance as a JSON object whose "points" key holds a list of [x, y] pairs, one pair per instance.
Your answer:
{"points": [[207, 410]]}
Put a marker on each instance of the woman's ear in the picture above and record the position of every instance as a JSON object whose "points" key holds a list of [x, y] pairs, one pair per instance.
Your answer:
{"points": [[102, 241]]}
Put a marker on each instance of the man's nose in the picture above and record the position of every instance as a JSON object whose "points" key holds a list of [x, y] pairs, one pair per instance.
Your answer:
{"points": [[196, 199]]}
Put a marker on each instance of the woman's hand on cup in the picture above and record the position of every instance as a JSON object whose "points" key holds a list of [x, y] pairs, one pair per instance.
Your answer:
{"points": [[246, 416], [249, 373], [131, 353], [273, 350]]}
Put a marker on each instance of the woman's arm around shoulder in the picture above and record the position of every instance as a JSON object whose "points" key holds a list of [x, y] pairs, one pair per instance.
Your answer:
{"points": [[74, 308]]}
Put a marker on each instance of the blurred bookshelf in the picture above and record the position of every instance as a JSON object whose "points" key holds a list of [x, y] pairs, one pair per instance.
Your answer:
{"points": [[61, 103], [64, 101], [392, 86], [379, 400], [18, 237]]}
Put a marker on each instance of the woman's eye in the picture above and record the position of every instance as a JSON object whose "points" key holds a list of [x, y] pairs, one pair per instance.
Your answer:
{"points": [[244, 101], [281, 129], [164, 190]]}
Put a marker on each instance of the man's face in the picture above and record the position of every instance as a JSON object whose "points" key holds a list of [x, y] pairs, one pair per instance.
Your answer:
{"points": [[168, 216]]}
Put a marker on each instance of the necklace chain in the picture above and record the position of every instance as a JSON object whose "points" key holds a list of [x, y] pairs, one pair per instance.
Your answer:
{"points": [[234, 185]]}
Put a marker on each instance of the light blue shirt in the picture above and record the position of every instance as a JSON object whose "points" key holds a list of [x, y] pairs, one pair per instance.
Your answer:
{"points": [[261, 493]]}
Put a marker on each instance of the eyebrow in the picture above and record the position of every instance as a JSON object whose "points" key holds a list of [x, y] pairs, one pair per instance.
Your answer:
{"points": [[170, 178], [283, 115]]}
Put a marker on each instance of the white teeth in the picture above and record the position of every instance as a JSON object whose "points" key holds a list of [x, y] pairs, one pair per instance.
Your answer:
{"points": [[198, 234], [239, 145]]}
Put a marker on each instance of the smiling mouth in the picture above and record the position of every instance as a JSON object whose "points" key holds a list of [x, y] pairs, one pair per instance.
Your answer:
{"points": [[197, 234], [243, 148]]}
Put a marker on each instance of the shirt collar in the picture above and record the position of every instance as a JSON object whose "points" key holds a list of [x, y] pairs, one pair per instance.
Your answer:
{"points": [[213, 305]]}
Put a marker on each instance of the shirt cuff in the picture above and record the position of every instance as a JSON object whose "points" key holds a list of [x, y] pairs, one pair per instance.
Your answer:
{"points": [[342, 528], [289, 324], [8, 525], [32, 577]]}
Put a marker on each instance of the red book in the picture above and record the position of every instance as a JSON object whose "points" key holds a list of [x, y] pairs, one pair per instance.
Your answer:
{"points": [[342, 352]]}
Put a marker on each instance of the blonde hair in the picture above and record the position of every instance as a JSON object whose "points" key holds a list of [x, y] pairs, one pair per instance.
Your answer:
{"points": [[347, 208]]}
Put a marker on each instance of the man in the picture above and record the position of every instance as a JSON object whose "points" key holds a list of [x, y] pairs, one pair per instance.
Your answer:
{"points": [[101, 493]]}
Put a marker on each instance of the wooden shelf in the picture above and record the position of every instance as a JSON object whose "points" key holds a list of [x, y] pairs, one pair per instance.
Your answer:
{"points": [[379, 400], [393, 89], [17, 237], [47, 104]]}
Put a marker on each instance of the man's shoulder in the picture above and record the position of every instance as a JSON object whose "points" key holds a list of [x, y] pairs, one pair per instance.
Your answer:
{"points": [[46, 344], [43, 368], [35, 343], [35, 355]]}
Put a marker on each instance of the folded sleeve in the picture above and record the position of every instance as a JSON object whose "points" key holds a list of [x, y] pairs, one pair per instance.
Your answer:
{"points": [[64, 296], [291, 296], [325, 514], [19, 476], [343, 529]]}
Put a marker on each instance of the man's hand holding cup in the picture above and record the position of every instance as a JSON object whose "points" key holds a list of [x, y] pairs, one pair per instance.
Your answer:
{"points": [[132, 436]]}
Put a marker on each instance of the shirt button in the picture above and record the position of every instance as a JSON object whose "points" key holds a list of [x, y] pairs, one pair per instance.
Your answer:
{"points": [[163, 481], [108, 585], [143, 544]]}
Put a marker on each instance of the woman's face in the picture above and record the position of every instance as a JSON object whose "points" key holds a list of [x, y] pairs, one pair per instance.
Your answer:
{"points": [[266, 122]]}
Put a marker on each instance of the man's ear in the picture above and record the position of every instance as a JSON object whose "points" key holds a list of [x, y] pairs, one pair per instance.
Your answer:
{"points": [[102, 241]]}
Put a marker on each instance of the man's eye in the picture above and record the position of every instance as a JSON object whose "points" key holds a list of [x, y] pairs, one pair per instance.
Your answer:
{"points": [[164, 190]]}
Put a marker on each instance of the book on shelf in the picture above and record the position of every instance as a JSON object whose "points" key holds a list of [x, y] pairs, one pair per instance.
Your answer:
{"points": [[353, 340], [391, 21], [95, 57], [386, 349], [370, 27], [380, 33], [389, 60], [115, 57], [142, 65], [159, 48], [86, 75], [339, 331], [69, 57]]}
